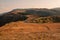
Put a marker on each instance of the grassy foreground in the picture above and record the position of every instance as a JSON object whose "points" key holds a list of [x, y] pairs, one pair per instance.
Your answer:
{"points": [[30, 31]]}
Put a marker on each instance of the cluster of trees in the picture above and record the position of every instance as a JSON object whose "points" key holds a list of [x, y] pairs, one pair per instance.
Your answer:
{"points": [[53, 19], [7, 18], [56, 19]]}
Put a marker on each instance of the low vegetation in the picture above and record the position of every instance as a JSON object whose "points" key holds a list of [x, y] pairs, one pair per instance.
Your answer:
{"points": [[39, 16]]}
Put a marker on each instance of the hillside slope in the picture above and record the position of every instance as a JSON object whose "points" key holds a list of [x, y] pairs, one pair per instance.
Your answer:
{"points": [[30, 31]]}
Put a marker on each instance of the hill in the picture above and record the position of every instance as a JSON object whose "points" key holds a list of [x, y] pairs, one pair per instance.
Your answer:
{"points": [[30, 31], [30, 15], [30, 24]]}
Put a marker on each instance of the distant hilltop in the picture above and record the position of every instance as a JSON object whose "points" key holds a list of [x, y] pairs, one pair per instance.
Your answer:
{"points": [[31, 15], [54, 11]]}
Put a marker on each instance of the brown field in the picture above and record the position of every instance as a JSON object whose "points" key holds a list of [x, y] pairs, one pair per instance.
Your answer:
{"points": [[30, 31]]}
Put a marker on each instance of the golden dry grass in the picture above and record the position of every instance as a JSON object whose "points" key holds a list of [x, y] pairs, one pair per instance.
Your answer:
{"points": [[30, 31]]}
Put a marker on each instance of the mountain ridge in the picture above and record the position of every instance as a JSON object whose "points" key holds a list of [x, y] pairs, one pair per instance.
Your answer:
{"points": [[30, 15]]}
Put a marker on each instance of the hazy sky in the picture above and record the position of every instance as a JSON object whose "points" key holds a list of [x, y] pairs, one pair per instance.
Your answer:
{"points": [[7, 5]]}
